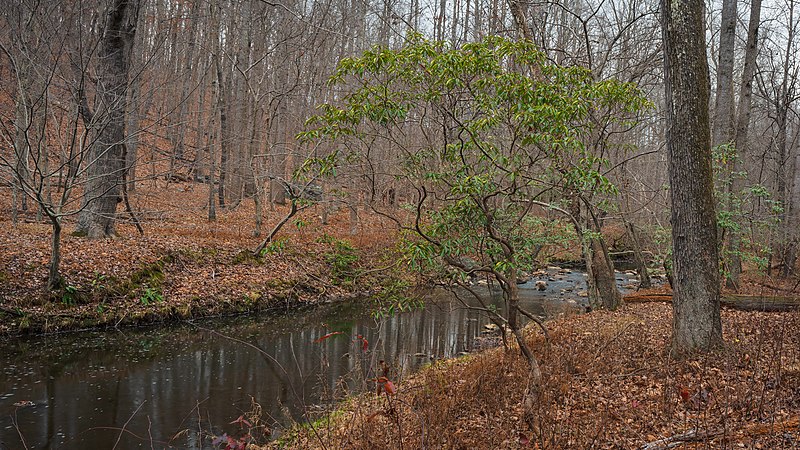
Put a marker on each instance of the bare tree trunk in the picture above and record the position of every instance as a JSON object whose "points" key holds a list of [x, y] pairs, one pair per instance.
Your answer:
{"points": [[696, 321], [190, 72], [638, 256], [742, 127], [54, 280], [723, 131], [213, 128], [518, 12], [21, 146], [132, 141], [783, 105], [108, 155], [224, 150], [603, 275], [723, 111], [793, 215], [601, 285]]}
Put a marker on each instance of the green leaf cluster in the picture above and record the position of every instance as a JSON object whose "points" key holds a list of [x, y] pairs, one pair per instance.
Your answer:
{"points": [[480, 131]]}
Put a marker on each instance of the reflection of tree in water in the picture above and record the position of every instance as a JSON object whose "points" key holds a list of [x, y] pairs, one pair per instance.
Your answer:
{"points": [[178, 373]]}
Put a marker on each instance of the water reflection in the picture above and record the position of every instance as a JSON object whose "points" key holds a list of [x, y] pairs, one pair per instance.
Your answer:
{"points": [[162, 385]]}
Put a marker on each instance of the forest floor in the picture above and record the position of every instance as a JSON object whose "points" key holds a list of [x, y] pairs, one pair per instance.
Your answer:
{"points": [[609, 381], [184, 265]]}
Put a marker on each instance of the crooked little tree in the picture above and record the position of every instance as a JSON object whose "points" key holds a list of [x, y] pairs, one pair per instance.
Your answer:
{"points": [[487, 135]]}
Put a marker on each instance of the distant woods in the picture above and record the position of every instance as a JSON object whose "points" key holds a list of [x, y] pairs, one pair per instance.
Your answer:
{"points": [[99, 94]]}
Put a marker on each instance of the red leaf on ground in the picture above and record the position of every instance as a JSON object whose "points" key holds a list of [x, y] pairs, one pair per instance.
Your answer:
{"points": [[684, 392]]}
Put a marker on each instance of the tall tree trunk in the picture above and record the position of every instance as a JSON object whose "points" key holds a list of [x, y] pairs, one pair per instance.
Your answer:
{"points": [[723, 111], [102, 191], [783, 105], [696, 321], [190, 73], [224, 148], [22, 147], [723, 132], [638, 256], [132, 141], [793, 216], [742, 127]]}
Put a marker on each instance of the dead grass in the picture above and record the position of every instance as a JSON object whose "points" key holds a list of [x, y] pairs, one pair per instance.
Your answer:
{"points": [[608, 384]]}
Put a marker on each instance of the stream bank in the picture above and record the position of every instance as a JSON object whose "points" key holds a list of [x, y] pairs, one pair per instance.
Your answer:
{"points": [[178, 386]]}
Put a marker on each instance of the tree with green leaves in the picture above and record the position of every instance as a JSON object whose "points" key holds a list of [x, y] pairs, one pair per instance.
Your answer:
{"points": [[491, 139]]}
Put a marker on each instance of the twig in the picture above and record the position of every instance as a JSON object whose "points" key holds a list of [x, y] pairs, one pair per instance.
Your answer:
{"points": [[150, 432], [13, 312], [613, 338], [127, 422], [538, 322], [680, 439], [377, 269], [19, 432]]}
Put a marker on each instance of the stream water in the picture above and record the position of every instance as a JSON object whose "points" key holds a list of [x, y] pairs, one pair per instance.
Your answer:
{"points": [[162, 386]]}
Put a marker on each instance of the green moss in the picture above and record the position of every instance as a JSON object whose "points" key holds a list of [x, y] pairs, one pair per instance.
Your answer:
{"points": [[246, 257], [290, 436]]}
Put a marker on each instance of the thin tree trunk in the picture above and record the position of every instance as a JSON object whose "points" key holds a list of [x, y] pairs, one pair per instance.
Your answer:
{"points": [[723, 130], [742, 127], [723, 111], [224, 149], [783, 106], [638, 256], [54, 280], [189, 72]]}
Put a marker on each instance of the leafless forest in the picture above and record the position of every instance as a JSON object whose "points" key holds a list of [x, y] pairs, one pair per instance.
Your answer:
{"points": [[216, 91]]}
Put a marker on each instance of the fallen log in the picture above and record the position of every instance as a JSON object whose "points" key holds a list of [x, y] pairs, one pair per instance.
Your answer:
{"points": [[749, 430], [680, 439], [763, 303]]}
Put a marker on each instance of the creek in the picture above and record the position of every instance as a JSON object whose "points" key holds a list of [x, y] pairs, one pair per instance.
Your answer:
{"points": [[168, 385]]}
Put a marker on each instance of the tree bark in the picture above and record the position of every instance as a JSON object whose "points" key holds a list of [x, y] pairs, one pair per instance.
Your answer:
{"points": [[723, 130], [54, 280], [783, 105], [107, 163], [224, 137], [638, 256], [742, 127], [603, 273], [723, 110], [518, 12], [696, 309]]}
